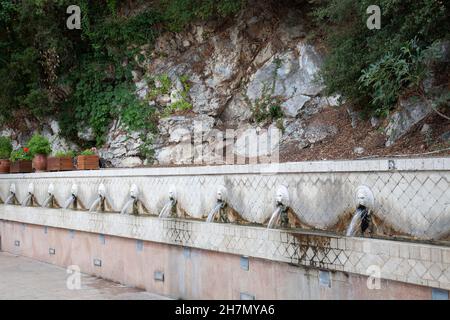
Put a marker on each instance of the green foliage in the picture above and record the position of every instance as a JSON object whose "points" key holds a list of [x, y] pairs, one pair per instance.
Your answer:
{"points": [[183, 103], [158, 85], [39, 145], [103, 86], [161, 85], [166, 83], [146, 148], [87, 152], [374, 67], [78, 75], [268, 106], [178, 13], [186, 85], [180, 105], [28, 29], [280, 125], [65, 154], [139, 116], [37, 102], [98, 102], [392, 74], [83, 77], [20, 154], [117, 37], [5, 147]]}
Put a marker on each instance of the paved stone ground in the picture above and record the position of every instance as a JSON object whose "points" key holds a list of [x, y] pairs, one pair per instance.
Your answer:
{"points": [[25, 279]]}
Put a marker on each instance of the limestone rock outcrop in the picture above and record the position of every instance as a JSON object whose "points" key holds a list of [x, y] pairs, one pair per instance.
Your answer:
{"points": [[227, 69]]}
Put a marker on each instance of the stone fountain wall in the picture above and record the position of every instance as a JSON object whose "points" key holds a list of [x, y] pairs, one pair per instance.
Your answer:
{"points": [[412, 196], [194, 273], [412, 263]]}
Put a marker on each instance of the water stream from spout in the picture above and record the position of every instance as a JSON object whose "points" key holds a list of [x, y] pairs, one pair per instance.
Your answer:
{"points": [[356, 221], [274, 218], [214, 211], [47, 201], [27, 199], [10, 197], [95, 204], [69, 201], [127, 206], [166, 209]]}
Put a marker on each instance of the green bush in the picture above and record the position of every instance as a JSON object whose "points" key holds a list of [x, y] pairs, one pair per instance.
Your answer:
{"points": [[392, 74], [180, 105], [87, 152], [183, 104], [65, 154], [5, 148], [84, 76], [21, 154], [178, 13], [155, 90], [373, 68], [165, 83], [146, 148], [268, 106], [39, 145]]}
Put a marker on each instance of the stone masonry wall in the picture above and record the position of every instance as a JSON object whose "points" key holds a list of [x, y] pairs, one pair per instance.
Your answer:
{"points": [[411, 195]]}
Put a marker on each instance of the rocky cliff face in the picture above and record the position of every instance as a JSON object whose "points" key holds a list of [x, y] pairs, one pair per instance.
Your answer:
{"points": [[230, 69]]}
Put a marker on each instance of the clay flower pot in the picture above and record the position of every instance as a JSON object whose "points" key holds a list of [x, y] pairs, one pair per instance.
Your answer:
{"points": [[40, 162], [4, 166], [21, 166], [90, 162], [59, 164]]}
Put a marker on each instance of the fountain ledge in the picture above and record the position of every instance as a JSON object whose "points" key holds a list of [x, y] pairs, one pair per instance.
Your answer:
{"points": [[415, 263], [410, 195], [378, 165]]}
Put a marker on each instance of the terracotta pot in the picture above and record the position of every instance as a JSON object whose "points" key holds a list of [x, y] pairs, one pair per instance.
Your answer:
{"points": [[59, 164], [40, 162], [4, 166], [21, 166], [88, 162]]}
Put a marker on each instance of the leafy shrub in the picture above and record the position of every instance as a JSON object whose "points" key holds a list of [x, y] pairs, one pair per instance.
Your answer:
{"points": [[390, 75], [373, 68], [180, 105], [146, 148], [65, 154], [165, 83], [158, 85], [5, 148], [88, 152], [183, 103], [39, 145], [21, 154], [178, 13], [84, 76], [268, 106], [139, 116]]}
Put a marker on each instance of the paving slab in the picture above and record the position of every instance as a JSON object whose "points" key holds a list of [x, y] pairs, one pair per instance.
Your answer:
{"points": [[22, 278]]}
